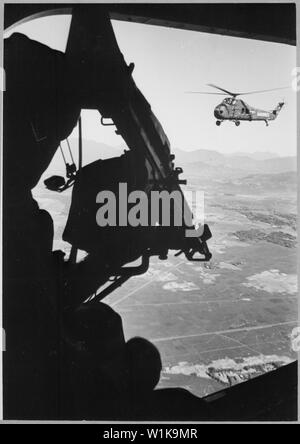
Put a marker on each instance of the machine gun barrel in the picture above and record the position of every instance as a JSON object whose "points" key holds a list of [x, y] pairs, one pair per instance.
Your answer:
{"points": [[110, 88]]}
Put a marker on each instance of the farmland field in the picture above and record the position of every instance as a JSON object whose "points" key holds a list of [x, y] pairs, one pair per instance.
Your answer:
{"points": [[218, 323]]}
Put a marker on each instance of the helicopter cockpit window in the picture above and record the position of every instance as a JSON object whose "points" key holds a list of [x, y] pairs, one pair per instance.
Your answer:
{"points": [[229, 101]]}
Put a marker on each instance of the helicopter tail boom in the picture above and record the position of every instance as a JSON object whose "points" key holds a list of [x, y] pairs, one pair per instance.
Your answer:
{"points": [[277, 110]]}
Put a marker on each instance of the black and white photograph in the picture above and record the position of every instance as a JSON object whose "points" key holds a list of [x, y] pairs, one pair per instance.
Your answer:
{"points": [[149, 214]]}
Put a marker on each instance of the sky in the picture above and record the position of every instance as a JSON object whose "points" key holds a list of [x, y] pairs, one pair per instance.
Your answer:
{"points": [[170, 62]]}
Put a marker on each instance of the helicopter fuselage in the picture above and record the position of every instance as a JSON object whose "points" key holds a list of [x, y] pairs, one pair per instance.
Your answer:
{"points": [[237, 110]]}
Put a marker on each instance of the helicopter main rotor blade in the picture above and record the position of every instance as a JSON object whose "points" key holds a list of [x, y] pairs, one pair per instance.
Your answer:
{"points": [[246, 93], [222, 89], [201, 92], [261, 91]]}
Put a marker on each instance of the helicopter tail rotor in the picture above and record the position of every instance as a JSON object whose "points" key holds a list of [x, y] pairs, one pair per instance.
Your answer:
{"points": [[278, 108]]}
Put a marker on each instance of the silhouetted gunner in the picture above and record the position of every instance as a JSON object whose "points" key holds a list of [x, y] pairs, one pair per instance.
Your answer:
{"points": [[61, 363], [39, 111], [41, 108]]}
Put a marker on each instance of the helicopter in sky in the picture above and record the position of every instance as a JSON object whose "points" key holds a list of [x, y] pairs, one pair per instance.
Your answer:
{"points": [[238, 110]]}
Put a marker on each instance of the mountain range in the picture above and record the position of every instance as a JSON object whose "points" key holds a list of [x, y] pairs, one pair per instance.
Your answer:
{"points": [[202, 163], [237, 165]]}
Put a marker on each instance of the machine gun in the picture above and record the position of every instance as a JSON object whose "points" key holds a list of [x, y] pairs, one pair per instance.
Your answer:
{"points": [[107, 85]]}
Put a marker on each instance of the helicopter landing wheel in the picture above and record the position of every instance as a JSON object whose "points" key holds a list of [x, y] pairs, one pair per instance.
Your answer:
{"points": [[237, 123], [218, 122]]}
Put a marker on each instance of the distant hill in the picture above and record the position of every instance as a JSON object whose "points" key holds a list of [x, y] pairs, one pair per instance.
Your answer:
{"points": [[215, 172], [212, 163], [287, 179], [279, 165], [207, 156], [259, 183], [258, 155], [213, 155], [199, 164], [93, 150], [274, 165]]}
